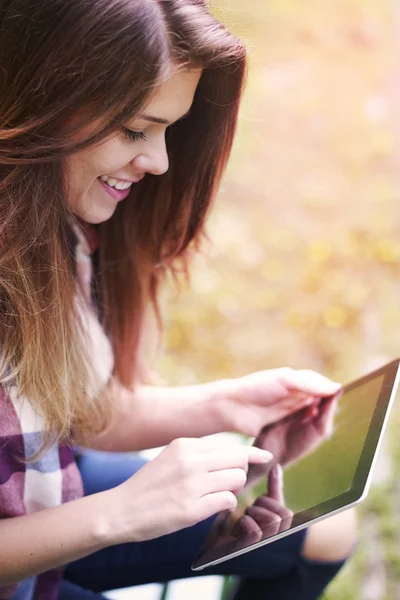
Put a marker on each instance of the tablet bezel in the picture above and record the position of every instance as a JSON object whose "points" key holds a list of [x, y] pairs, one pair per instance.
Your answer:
{"points": [[357, 492]]}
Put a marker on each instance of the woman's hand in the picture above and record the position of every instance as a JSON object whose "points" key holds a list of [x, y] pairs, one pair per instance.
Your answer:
{"points": [[253, 401], [190, 480], [300, 433]]}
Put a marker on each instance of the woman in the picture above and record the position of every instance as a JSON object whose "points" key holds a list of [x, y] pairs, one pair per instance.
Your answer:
{"points": [[116, 122]]}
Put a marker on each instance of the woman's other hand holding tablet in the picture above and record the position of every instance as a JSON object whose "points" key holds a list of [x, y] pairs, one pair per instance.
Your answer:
{"points": [[300, 433], [190, 480], [259, 399]]}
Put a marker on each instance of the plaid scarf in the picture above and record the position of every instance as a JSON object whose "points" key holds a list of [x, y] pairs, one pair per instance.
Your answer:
{"points": [[54, 478]]}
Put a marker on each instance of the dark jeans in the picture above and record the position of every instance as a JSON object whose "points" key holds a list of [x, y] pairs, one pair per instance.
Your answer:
{"points": [[274, 572]]}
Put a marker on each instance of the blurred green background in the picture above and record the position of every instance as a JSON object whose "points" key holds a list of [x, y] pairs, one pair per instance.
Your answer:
{"points": [[304, 265]]}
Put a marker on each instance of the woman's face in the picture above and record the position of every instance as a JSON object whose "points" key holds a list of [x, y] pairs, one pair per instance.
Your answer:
{"points": [[101, 176]]}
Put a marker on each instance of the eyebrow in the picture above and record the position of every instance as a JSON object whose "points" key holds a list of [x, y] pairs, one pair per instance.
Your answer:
{"points": [[160, 121]]}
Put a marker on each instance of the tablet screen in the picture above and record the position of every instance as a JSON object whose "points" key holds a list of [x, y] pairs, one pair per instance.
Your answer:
{"points": [[322, 459], [330, 471]]}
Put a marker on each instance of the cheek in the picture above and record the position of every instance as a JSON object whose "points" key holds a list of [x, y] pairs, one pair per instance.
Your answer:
{"points": [[110, 158], [85, 167]]}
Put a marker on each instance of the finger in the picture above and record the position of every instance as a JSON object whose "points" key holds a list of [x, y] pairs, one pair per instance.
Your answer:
{"points": [[258, 456], [310, 412], [232, 480], [275, 484], [308, 382], [315, 408], [326, 417], [211, 504], [234, 456], [300, 399]]}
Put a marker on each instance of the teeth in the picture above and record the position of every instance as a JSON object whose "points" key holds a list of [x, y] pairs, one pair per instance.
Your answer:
{"points": [[115, 183]]}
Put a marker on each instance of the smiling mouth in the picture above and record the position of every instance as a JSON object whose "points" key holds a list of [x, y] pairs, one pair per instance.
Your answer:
{"points": [[115, 193], [118, 184]]}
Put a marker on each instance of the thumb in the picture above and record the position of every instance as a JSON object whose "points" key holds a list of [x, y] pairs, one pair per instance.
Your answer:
{"points": [[309, 382]]}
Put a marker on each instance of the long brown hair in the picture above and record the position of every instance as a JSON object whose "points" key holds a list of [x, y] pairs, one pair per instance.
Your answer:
{"points": [[106, 57]]}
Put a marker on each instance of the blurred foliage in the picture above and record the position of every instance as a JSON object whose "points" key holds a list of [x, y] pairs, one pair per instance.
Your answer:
{"points": [[304, 265], [305, 254]]}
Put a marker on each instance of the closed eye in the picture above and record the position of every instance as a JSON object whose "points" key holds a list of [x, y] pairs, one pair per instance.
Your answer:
{"points": [[134, 136]]}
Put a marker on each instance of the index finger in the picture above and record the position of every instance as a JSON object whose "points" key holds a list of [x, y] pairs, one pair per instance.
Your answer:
{"points": [[275, 484], [234, 456]]}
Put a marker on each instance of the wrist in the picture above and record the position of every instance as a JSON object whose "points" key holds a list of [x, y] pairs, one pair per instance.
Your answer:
{"points": [[220, 395], [112, 528]]}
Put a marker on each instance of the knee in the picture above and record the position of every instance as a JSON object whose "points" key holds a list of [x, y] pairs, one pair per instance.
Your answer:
{"points": [[332, 539]]}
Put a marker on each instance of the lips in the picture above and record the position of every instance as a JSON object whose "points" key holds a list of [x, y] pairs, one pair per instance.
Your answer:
{"points": [[113, 192]]}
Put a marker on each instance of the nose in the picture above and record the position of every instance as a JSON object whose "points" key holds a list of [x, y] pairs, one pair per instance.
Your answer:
{"points": [[154, 159]]}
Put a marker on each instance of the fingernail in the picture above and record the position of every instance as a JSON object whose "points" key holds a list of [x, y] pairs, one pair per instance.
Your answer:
{"points": [[264, 454], [277, 471], [306, 420]]}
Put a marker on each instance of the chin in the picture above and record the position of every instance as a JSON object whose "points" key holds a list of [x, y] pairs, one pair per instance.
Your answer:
{"points": [[93, 208], [96, 217]]}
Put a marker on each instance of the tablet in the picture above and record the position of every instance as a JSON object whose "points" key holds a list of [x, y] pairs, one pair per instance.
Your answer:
{"points": [[323, 462]]}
